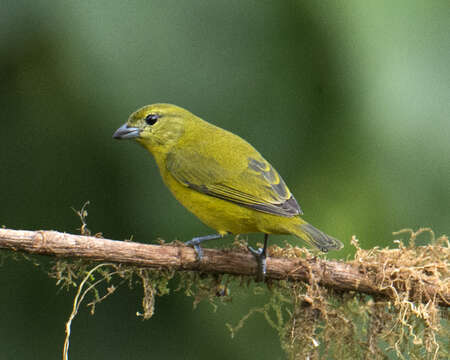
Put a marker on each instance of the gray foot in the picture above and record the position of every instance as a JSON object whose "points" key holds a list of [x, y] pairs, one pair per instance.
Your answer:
{"points": [[261, 256], [195, 242]]}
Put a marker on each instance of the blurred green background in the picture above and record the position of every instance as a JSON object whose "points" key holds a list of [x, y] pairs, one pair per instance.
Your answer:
{"points": [[349, 100]]}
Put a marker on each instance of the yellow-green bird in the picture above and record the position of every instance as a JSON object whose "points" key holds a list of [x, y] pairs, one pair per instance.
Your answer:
{"points": [[220, 178]]}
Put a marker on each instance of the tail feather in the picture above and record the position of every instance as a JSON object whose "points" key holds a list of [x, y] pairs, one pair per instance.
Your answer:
{"points": [[318, 238]]}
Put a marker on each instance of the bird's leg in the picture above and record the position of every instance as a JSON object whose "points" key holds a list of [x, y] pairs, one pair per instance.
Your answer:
{"points": [[261, 255], [195, 242]]}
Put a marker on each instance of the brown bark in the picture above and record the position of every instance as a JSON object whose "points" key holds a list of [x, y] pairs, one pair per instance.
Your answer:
{"points": [[337, 275]]}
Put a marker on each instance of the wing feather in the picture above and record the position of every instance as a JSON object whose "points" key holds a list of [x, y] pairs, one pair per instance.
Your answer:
{"points": [[255, 185]]}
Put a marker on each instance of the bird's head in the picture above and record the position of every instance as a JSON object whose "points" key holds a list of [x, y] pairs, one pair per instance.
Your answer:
{"points": [[154, 126]]}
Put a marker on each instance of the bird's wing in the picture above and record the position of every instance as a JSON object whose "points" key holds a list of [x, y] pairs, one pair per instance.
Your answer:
{"points": [[253, 183]]}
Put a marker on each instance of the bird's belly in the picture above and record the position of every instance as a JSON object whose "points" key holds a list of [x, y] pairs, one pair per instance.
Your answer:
{"points": [[225, 216], [221, 215]]}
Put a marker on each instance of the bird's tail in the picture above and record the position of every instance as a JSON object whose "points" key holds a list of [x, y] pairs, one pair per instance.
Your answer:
{"points": [[317, 238]]}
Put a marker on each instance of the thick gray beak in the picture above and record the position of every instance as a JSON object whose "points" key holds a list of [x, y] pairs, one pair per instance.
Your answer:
{"points": [[125, 132]]}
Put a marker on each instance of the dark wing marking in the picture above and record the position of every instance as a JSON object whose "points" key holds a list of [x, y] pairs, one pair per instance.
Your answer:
{"points": [[280, 190]]}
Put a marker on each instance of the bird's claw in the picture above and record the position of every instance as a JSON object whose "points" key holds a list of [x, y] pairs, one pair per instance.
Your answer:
{"points": [[198, 249], [260, 255], [256, 252], [195, 242]]}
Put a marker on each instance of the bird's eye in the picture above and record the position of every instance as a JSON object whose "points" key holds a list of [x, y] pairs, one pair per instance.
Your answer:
{"points": [[151, 119]]}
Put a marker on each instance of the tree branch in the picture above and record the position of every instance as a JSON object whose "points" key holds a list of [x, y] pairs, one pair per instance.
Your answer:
{"points": [[338, 275]]}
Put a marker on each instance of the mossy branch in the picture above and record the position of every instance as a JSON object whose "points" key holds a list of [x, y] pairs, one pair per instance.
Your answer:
{"points": [[359, 275]]}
